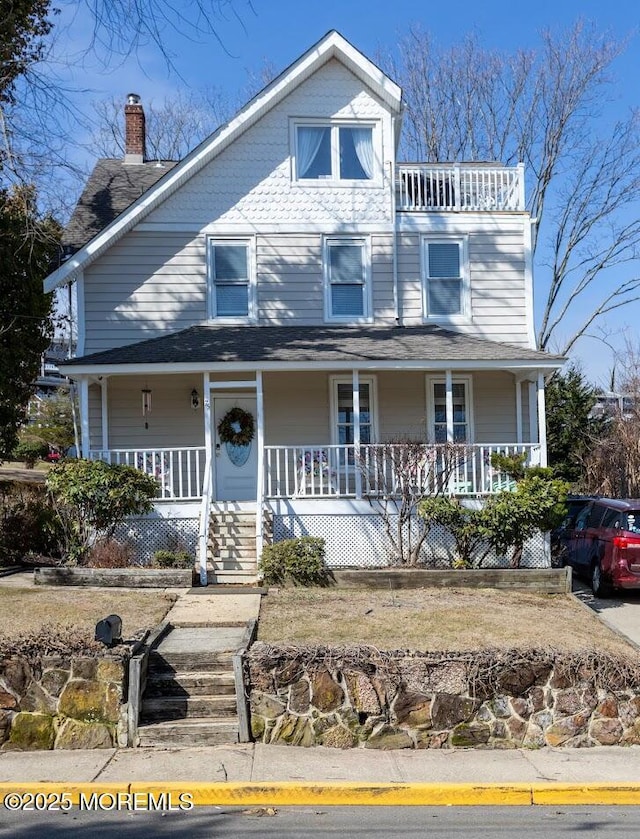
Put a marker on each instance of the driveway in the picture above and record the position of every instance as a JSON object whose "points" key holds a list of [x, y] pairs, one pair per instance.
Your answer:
{"points": [[621, 612]]}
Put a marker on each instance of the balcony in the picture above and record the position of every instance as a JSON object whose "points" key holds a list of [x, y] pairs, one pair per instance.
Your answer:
{"points": [[455, 188]]}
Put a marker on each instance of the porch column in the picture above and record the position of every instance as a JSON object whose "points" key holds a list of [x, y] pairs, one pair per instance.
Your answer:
{"points": [[518, 409], [356, 430], [533, 413], [83, 396], [542, 421], [260, 477], [203, 532], [104, 407], [208, 448], [448, 387]]}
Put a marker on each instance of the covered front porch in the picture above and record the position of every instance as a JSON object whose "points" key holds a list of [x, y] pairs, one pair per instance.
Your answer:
{"points": [[339, 417]]}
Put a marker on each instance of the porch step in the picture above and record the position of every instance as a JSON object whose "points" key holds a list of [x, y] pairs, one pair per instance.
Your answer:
{"points": [[188, 732], [231, 577], [162, 708], [229, 540], [191, 684]]}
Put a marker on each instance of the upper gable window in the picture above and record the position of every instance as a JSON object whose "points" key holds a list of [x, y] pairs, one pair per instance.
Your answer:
{"points": [[334, 152]]}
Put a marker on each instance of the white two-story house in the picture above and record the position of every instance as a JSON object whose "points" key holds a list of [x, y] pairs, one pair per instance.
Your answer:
{"points": [[291, 268]]}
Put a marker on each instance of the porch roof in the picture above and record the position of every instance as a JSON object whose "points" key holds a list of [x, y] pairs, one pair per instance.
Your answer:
{"points": [[264, 347]]}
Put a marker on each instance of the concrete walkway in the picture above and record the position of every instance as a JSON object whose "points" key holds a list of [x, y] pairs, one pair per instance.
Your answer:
{"points": [[257, 762]]}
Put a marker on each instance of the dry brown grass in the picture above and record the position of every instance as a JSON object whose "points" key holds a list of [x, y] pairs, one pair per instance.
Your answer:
{"points": [[432, 619], [29, 609]]}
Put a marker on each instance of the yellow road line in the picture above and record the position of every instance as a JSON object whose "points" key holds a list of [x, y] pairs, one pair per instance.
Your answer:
{"points": [[313, 793]]}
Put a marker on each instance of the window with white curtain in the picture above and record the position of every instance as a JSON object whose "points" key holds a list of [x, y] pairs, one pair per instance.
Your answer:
{"points": [[230, 280], [346, 279], [334, 152], [445, 278], [462, 424]]}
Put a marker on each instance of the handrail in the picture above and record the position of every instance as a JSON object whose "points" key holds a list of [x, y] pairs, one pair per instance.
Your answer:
{"points": [[463, 187], [205, 511]]}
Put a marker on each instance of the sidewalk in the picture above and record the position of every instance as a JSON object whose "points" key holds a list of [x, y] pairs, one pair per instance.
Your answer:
{"points": [[277, 776]]}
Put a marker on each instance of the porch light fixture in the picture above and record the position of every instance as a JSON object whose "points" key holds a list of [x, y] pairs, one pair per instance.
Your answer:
{"points": [[195, 399], [146, 401]]}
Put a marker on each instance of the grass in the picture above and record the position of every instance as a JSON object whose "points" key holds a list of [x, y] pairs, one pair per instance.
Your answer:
{"points": [[29, 609], [432, 619]]}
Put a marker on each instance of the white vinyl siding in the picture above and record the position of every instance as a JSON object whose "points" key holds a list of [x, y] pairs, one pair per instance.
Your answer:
{"points": [[497, 288], [146, 285]]}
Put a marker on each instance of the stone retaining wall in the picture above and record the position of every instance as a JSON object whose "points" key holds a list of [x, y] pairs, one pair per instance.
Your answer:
{"points": [[421, 701], [62, 703]]}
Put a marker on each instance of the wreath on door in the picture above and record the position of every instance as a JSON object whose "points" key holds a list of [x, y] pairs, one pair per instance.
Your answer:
{"points": [[236, 427]]}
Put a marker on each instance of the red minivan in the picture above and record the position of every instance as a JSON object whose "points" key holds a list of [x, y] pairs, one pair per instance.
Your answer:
{"points": [[604, 545]]}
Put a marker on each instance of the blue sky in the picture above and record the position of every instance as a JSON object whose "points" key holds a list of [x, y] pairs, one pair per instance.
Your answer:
{"points": [[277, 31]]}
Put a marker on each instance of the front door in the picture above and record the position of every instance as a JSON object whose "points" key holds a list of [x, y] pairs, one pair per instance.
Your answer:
{"points": [[235, 467]]}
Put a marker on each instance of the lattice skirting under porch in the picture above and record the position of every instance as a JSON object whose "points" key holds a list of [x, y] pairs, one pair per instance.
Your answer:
{"points": [[359, 541], [150, 534]]}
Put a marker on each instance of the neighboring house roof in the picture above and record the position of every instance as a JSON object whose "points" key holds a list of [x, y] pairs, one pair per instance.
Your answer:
{"points": [[112, 187], [314, 344], [333, 45]]}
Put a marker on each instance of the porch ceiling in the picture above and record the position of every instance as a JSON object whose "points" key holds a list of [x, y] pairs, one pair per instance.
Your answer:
{"points": [[206, 346]]}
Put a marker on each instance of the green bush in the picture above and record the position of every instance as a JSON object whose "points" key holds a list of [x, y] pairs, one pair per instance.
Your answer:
{"points": [[30, 451], [92, 498], [298, 561], [28, 522], [172, 559]]}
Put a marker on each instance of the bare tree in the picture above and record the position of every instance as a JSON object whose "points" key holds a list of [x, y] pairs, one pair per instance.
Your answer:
{"points": [[173, 127], [38, 122], [395, 478], [544, 108]]}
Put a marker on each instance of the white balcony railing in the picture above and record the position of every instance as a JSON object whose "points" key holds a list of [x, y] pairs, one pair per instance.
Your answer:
{"points": [[179, 472], [460, 187], [380, 469]]}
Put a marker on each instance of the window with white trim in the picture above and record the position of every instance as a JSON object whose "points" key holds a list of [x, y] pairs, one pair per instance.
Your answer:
{"points": [[462, 425], [346, 279], [334, 152], [230, 267], [343, 413], [444, 273]]}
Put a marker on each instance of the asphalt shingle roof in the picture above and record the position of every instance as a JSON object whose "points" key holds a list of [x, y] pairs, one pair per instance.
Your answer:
{"points": [[216, 344], [112, 187]]}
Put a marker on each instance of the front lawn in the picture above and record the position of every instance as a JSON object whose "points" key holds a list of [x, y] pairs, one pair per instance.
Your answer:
{"points": [[29, 609], [432, 619]]}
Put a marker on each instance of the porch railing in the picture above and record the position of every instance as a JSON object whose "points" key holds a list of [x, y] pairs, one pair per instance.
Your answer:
{"points": [[178, 471], [460, 188], [335, 471]]}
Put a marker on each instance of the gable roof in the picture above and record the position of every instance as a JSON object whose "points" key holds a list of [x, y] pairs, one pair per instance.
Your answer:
{"points": [[264, 346], [333, 45], [112, 187]]}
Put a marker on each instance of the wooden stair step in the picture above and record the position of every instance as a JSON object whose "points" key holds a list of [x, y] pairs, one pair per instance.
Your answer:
{"points": [[191, 684], [188, 732], [160, 708], [182, 662]]}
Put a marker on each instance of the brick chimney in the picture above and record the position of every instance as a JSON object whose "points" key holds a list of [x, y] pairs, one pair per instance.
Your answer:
{"points": [[134, 130]]}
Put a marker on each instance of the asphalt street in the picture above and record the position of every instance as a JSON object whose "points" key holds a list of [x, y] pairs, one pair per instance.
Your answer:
{"points": [[353, 822]]}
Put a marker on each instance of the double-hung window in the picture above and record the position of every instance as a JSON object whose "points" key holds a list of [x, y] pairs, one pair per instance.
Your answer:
{"points": [[347, 296], [230, 263], [445, 278], [461, 416], [334, 152], [343, 412]]}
